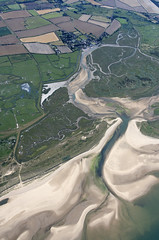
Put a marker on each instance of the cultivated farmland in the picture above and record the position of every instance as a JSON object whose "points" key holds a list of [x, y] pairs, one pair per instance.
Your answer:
{"points": [[67, 26], [16, 24], [38, 31], [39, 48], [44, 11], [88, 28], [4, 31], [102, 24], [35, 22], [2, 24], [9, 39], [84, 17], [60, 19], [114, 26], [12, 49], [15, 14], [45, 38], [64, 49]]}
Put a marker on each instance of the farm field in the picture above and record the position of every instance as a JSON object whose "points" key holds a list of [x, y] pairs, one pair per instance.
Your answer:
{"points": [[100, 18], [114, 26], [39, 48], [12, 49], [37, 31], [2, 24], [9, 39], [15, 14], [44, 11], [35, 22], [45, 38], [4, 31], [16, 24], [102, 24], [60, 19], [64, 49], [84, 17], [53, 15]]}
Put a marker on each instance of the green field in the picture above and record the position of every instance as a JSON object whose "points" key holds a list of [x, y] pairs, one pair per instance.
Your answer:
{"points": [[33, 12], [4, 31], [52, 15], [73, 14], [14, 7], [35, 21], [95, 11]]}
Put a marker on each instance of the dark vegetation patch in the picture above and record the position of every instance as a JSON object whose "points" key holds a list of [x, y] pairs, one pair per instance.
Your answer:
{"points": [[6, 146], [135, 77], [4, 31], [61, 120], [4, 201], [150, 128], [62, 134], [156, 109]]}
